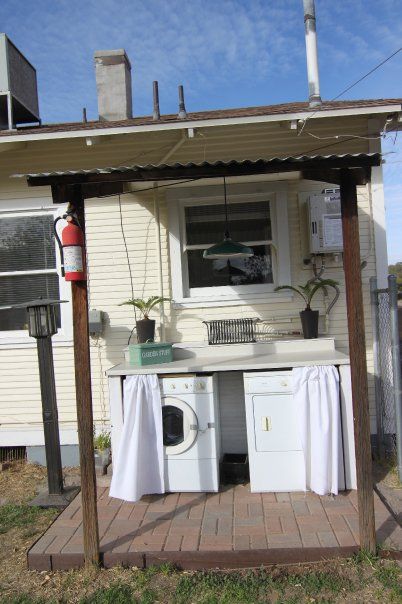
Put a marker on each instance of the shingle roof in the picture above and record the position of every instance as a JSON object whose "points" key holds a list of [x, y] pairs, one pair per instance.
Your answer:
{"points": [[284, 108]]}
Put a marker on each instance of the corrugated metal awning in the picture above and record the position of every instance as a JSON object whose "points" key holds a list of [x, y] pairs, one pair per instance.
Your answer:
{"points": [[253, 165]]}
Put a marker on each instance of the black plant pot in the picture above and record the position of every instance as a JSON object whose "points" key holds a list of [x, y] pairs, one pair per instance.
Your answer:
{"points": [[145, 330], [309, 321]]}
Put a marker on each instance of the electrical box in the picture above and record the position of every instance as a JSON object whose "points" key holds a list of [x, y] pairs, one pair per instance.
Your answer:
{"points": [[325, 222], [95, 319]]}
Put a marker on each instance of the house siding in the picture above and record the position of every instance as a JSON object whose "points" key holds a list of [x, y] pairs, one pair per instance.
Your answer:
{"points": [[109, 272]]}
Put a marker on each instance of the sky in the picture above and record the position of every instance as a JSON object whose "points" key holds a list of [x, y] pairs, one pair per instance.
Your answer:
{"points": [[226, 53]]}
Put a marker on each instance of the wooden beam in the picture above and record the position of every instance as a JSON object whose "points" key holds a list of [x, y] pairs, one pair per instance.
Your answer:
{"points": [[84, 404], [360, 176], [328, 175], [358, 367], [190, 171], [63, 192], [102, 189]]}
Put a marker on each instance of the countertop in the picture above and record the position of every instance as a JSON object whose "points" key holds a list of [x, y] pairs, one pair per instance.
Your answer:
{"points": [[208, 359]]}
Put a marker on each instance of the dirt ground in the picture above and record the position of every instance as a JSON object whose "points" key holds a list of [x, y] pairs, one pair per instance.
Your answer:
{"points": [[361, 579]]}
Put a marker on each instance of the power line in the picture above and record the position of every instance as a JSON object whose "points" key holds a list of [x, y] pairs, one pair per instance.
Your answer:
{"points": [[363, 77], [367, 74]]}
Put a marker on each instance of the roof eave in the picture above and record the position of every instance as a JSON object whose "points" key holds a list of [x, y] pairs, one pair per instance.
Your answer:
{"points": [[201, 123]]}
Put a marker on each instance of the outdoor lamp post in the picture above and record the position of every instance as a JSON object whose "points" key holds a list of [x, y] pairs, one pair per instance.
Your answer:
{"points": [[42, 326]]}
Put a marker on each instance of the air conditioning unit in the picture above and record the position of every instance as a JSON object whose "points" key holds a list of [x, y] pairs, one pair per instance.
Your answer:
{"points": [[18, 88], [325, 222]]}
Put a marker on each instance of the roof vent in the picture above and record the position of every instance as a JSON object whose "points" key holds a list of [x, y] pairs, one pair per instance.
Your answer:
{"points": [[18, 88], [113, 85]]}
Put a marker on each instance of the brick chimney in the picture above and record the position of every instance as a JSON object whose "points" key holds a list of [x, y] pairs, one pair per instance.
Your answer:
{"points": [[113, 84]]}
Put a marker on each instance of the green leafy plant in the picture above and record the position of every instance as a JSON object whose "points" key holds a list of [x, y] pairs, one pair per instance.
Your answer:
{"points": [[145, 306], [102, 440], [308, 291]]}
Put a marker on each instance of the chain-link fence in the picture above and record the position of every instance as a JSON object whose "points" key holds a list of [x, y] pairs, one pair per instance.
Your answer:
{"points": [[387, 367]]}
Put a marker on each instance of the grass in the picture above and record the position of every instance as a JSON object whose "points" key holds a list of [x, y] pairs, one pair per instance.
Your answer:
{"points": [[252, 586], [21, 516], [375, 581], [363, 578]]}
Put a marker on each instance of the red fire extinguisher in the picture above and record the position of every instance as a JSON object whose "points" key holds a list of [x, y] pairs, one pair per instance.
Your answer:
{"points": [[72, 249]]}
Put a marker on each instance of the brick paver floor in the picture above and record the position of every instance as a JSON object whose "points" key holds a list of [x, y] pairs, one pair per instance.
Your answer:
{"points": [[227, 529]]}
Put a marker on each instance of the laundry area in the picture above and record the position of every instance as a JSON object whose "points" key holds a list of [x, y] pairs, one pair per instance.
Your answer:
{"points": [[238, 404]]}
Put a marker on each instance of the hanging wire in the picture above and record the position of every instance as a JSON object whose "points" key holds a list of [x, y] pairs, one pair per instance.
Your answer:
{"points": [[226, 208], [171, 184], [338, 136], [129, 268]]}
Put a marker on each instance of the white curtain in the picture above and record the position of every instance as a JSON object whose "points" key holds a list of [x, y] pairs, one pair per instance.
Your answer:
{"points": [[138, 468], [316, 395]]}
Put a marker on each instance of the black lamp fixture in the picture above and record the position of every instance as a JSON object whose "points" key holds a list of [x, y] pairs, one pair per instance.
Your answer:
{"points": [[227, 248], [42, 325]]}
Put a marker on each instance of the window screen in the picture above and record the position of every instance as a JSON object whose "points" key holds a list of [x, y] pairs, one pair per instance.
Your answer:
{"points": [[27, 266], [249, 223]]}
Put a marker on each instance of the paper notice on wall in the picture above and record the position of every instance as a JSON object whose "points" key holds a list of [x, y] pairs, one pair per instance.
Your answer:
{"points": [[332, 234]]}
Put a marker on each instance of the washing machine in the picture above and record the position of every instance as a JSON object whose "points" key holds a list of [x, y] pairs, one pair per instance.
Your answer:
{"points": [[191, 435]]}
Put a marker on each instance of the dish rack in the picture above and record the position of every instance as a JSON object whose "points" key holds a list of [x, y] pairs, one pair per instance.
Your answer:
{"points": [[231, 331]]}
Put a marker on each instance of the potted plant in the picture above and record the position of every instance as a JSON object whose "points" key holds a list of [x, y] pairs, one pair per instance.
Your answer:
{"points": [[145, 326], [102, 445], [309, 317]]}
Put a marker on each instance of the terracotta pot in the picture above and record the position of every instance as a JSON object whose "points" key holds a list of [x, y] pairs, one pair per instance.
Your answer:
{"points": [[309, 321], [145, 331]]}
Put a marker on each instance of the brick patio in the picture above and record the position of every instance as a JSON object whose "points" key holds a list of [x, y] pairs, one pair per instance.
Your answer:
{"points": [[233, 528]]}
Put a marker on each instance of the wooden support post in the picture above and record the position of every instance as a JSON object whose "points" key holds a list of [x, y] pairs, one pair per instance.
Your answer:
{"points": [[358, 367], [84, 408]]}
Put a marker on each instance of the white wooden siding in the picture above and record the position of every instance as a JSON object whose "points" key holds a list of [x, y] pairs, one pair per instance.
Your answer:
{"points": [[109, 282]]}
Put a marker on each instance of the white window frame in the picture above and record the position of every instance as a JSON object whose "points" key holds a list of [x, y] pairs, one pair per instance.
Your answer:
{"points": [[20, 337], [179, 199]]}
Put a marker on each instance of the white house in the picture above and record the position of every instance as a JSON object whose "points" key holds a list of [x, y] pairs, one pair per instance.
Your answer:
{"points": [[148, 239]]}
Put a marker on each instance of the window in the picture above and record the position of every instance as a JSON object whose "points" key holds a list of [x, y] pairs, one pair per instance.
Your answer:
{"points": [[197, 221], [28, 267], [250, 223]]}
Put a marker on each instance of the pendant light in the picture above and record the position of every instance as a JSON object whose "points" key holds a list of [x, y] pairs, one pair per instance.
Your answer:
{"points": [[227, 248]]}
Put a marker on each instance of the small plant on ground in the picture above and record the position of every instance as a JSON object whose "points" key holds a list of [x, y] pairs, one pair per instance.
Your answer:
{"points": [[102, 440]]}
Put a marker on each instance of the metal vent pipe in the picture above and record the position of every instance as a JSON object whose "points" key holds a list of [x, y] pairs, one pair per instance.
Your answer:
{"points": [[311, 53], [156, 113], [182, 108]]}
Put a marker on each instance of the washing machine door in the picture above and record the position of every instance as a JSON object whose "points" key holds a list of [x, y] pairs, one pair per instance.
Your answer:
{"points": [[180, 425]]}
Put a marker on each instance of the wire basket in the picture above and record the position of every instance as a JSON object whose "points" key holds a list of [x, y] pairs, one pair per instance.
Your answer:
{"points": [[231, 331]]}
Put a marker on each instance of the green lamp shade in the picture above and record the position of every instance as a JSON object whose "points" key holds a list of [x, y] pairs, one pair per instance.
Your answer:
{"points": [[228, 249]]}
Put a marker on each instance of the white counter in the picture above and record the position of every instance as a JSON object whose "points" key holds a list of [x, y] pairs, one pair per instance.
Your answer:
{"points": [[201, 358]]}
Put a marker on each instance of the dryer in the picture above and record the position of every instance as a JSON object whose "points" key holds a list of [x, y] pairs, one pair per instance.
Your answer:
{"points": [[191, 435]]}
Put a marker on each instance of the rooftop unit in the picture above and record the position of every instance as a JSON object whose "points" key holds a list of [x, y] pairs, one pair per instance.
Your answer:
{"points": [[18, 87]]}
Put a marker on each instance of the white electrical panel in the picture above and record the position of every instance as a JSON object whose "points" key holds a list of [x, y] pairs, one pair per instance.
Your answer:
{"points": [[325, 223]]}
